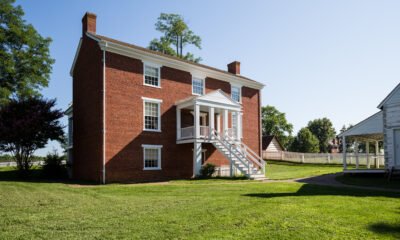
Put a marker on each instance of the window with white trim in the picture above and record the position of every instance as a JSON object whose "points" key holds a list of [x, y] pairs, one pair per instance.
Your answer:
{"points": [[236, 93], [235, 125], [151, 157], [197, 86], [70, 131], [152, 118], [151, 75]]}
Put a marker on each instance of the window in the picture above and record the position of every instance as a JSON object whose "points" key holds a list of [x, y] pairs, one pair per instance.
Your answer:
{"points": [[70, 132], [152, 119], [152, 157], [235, 125], [198, 86], [236, 93], [151, 75]]}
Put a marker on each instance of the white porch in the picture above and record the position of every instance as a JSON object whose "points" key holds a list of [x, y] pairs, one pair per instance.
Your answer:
{"points": [[215, 118], [370, 133], [213, 111]]}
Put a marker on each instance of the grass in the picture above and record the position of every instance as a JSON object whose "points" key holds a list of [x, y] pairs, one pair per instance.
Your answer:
{"points": [[205, 209], [375, 180], [284, 170]]}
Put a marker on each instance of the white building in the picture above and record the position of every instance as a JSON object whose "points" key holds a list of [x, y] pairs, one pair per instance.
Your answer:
{"points": [[382, 126]]}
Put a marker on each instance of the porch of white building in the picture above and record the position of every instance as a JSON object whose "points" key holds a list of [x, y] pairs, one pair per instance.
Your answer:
{"points": [[216, 119], [211, 113], [370, 133]]}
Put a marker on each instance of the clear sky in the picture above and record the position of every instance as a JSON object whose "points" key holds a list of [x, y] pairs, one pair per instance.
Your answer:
{"points": [[335, 59]]}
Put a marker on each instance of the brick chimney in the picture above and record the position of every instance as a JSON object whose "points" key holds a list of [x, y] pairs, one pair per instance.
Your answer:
{"points": [[89, 23], [234, 67]]}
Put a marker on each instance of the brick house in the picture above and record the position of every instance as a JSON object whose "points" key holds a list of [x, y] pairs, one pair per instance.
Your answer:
{"points": [[140, 115]]}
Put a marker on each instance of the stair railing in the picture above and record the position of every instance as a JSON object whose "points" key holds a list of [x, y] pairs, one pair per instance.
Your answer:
{"points": [[248, 153], [228, 146]]}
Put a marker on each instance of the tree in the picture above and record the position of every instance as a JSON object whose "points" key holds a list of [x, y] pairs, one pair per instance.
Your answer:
{"points": [[323, 129], [177, 33], [305, 142], [25, 64], [26, 125], [275, 123]]}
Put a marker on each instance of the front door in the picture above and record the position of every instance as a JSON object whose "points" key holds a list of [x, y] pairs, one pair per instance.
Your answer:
{"points": [[397, 147]]}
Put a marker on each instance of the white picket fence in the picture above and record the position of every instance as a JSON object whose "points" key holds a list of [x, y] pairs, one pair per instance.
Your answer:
{"points": [[14, 164], [322, 158]]}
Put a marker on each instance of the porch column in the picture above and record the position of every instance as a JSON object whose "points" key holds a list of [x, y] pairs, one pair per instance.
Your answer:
{"points": [[178, 123], [239, 125], [210, 120], [196, 158], [344, 149], [219, 122], [376, 154], [357, 157], [367, 150], [225, 122], [196, 124]]}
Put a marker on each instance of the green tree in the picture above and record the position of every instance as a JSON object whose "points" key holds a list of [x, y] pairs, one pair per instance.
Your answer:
{"points": [[274, 123], [305, 142], [25, 64], [176, 33], [26, 125], [323, 129]]}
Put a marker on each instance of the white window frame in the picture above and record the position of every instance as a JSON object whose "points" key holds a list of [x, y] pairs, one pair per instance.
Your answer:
{"points": [[149, 146], [70, 132], [158, 102], [153, 65], [240, 92], [204, 85]]}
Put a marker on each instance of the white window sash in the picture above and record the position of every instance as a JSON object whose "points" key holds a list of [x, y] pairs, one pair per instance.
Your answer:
{"points": [[158, 102], [158, 148], [147, 64], [203, 81]]}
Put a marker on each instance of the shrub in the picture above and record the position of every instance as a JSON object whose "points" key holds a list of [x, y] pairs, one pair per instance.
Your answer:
{"points": [[207, 170], [54, 167]]}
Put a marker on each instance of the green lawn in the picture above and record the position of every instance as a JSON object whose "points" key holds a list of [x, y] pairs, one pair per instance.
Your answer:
{"points": [[205, 209], [284, 170], [369, 180]]}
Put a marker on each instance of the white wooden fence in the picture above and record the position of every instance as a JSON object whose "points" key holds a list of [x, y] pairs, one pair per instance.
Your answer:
{"points": [[322, 158]]}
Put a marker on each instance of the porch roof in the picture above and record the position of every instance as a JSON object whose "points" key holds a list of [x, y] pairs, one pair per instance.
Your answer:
{"points": [[217, 99], [370, 128]]}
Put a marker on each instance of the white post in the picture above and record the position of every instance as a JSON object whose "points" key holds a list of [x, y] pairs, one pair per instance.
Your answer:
{"points": [[196, 121], [239, 125], [178, 123], [357, 157], [376, 154], [218, 122], [210, 120], [225, 122], [367, 150], [344, 149], [196, 158]]}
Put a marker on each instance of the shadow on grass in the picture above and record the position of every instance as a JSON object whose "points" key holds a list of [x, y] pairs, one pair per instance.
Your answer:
{"points": [[10, 174], [316, 190], [385, 228]]}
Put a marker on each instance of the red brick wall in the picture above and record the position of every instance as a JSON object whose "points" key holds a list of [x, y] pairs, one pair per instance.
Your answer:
{"points": [[124, 121], [87, 112]]}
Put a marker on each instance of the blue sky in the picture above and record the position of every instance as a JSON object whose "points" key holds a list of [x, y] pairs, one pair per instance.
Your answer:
{"points": [[335, 59]]}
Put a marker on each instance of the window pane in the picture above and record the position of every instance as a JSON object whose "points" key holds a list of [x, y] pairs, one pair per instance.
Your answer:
{"points": [[197, 86], [151, 75], [235, 94], [151, 116], [151, 156]]}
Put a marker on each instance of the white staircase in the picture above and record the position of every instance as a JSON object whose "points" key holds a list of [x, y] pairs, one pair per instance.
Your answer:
{"points": [[241, 157]]}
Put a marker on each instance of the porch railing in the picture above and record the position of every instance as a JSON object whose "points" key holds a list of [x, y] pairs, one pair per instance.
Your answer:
{"points": [[188, 132]]}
